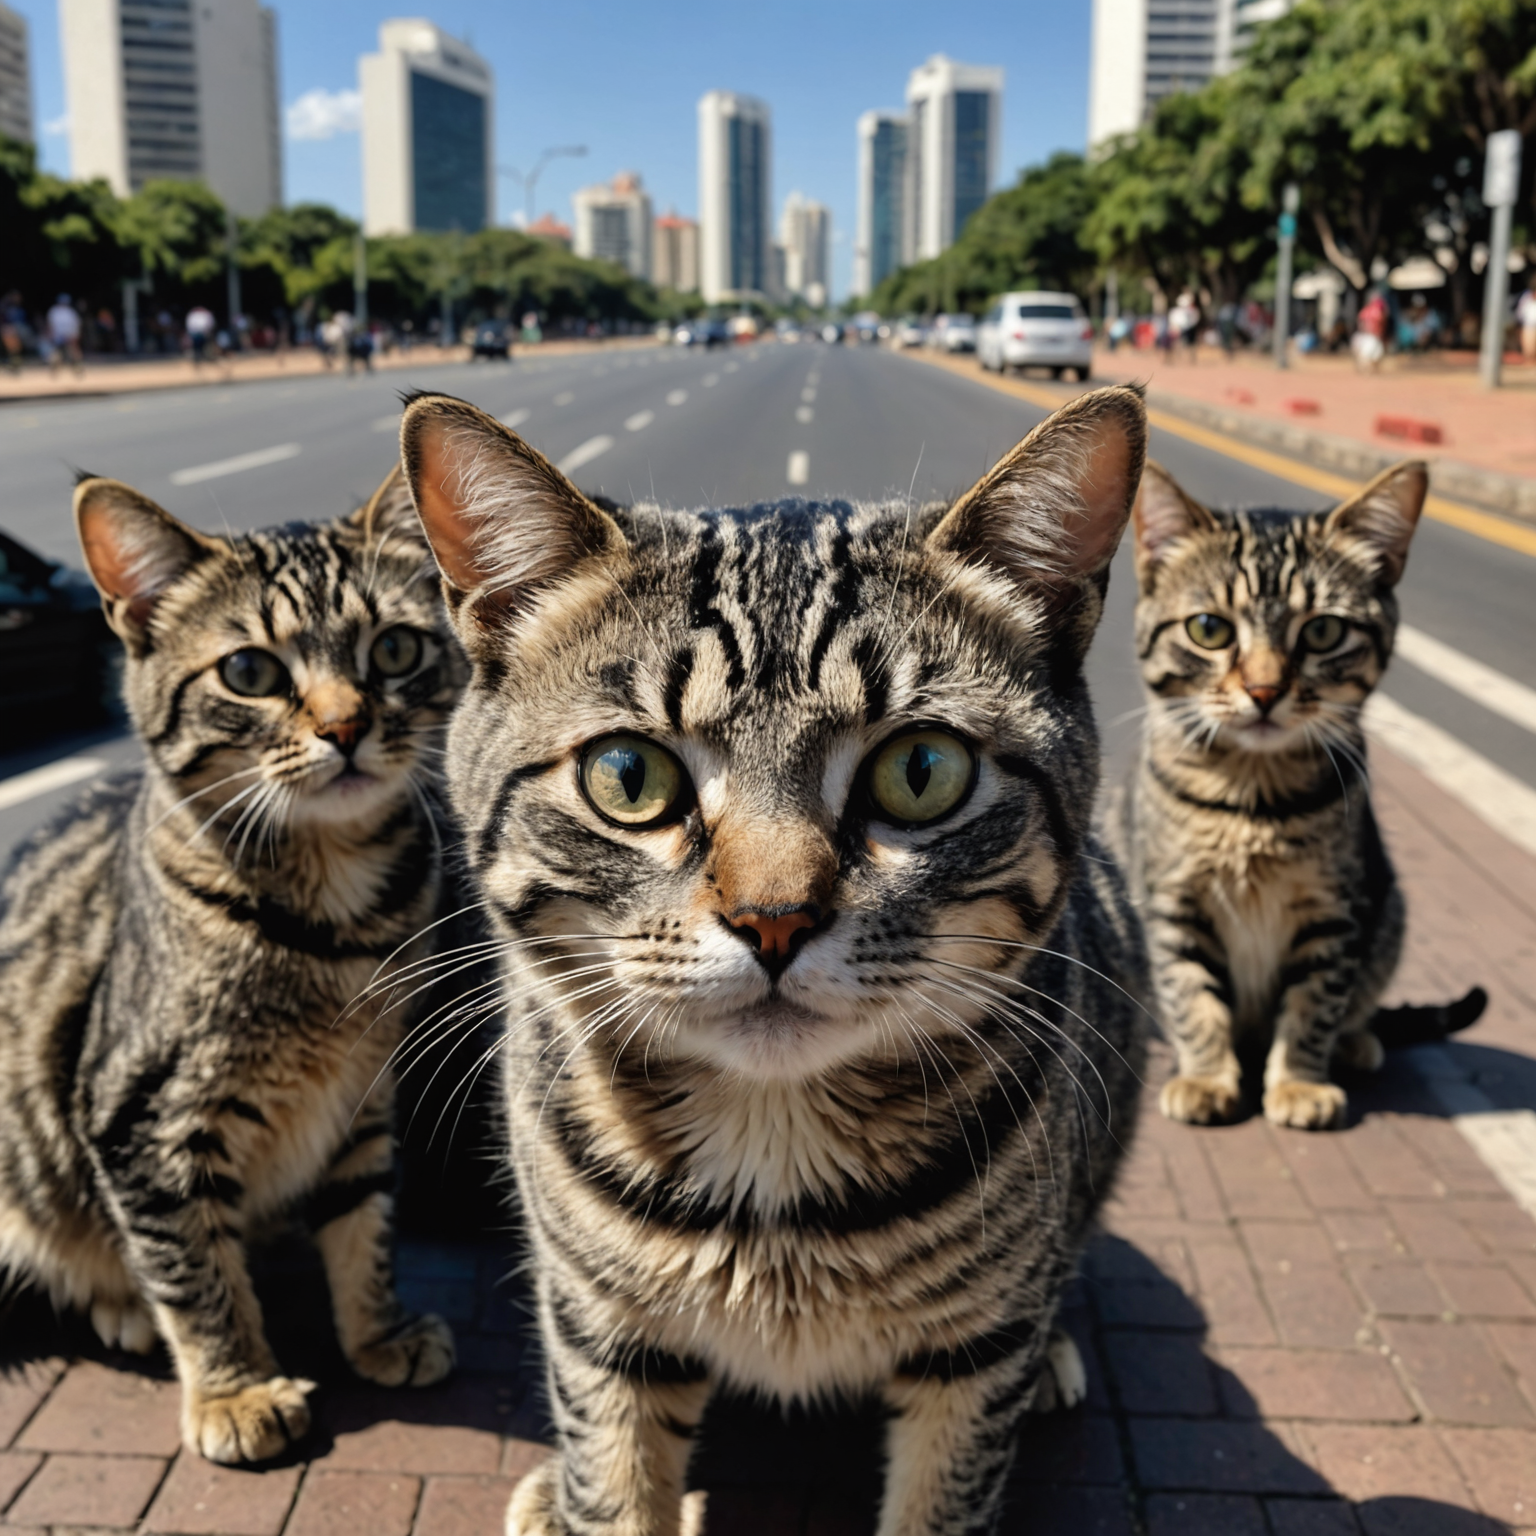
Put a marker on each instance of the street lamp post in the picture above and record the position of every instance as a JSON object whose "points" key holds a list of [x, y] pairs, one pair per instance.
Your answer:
{"points": [[360, 281], [530, 179], [233, 232], [1501, 186], [1290, 201]]}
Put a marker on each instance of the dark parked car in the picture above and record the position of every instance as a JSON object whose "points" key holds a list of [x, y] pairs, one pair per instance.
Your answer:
{"points": [[493, 338], [58, 660]]}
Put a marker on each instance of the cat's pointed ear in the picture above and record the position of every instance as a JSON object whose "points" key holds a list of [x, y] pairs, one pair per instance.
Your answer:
{"points": [[389, 513], [134, 551], [1049, 515], [1377, 525], [501, 519], [1164, 515]]}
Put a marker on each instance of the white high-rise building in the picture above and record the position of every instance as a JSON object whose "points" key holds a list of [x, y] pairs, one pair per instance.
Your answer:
{"points": [[878, 248], [177, 89], [805, 232], [428, 111], [955, 113], [735, 176], [1145, 50], [613, 223], [15, 77]]}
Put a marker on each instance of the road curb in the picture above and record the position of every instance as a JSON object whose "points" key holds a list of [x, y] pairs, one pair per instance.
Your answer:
{"points": [[1513, 495]]}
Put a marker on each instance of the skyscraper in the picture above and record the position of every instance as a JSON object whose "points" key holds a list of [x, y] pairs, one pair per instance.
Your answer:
{"points": [[675, 253], [735, 173], [613, 223], [878, 247], [955, 112], [805, 231], [15, 77], [1144, 50], [428, 101], [169, 88]]}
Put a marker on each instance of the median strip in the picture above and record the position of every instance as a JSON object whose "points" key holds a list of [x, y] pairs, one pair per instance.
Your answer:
{"points": [[237, 465]]}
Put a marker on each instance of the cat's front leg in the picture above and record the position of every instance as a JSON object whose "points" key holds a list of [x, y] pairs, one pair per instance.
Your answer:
{"points": [[1194, 1001], [1317, 988], [625, 1416], [352, 1215], [184, 1245], [952, 1438]]}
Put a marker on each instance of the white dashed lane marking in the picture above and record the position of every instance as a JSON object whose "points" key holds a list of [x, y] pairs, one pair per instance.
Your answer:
{"points": [[385, 423], [593, 448], [799, 470], [38, 781], [677, 397], [564, 397], [804, 413], [710, 380], [516, 418], [237, 465], [808, 395], [639, 421], [1480, 683]]}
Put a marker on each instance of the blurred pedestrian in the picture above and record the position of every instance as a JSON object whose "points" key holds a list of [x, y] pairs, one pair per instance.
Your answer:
{"points": [[13, 329], [1369, 344], [1226, 327], [200, 327], [1525, 318], [63, 325]]}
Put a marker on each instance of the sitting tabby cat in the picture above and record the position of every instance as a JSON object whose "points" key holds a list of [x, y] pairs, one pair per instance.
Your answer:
{"points": [[1273, 916], [815, 1072], [178, 950]]}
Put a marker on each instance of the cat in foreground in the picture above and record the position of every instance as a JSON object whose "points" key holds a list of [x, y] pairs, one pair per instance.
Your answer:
{"points": [[178, 950], [821, 1051], [1273, 917]]}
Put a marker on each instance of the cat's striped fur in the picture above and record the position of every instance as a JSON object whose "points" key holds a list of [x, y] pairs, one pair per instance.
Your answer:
{"points": [[863, 1161], [1273, 917], [178, 1061]]}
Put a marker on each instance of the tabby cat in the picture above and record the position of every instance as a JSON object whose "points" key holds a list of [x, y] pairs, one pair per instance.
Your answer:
{"points": [[178, 1063], [815, 1069], [1273, 917]]}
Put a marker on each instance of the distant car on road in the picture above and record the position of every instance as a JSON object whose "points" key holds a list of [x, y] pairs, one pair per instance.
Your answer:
{"points": [[1037, 330], [492, 338], [910, 333], [958, 333], [831, 332], [58, 660]]}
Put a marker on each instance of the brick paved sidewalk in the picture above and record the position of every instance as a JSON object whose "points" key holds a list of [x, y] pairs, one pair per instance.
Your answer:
{"points": [[1288, 1334], [1492, 430]]}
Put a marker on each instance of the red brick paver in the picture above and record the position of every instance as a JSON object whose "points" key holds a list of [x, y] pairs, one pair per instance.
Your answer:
{"points": [[1285, 1334]]}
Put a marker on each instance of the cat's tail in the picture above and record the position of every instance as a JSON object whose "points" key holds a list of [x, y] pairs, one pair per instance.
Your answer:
{"points": [[1414, 1024]]}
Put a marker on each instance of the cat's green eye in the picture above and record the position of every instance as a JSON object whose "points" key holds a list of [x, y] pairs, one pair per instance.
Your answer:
{"points": [[633, 781], [1322, 633], [254, 674], [397, 651], [1210, 631], [918, 776]]}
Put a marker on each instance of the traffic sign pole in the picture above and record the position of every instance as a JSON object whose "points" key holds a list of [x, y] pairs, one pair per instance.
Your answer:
{"points": [[1290, 202], [1501, 186]]}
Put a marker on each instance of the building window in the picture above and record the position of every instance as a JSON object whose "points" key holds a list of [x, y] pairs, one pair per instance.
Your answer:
{"points": [[447, 155], [972, 127], [747, 201], [889, 170]]}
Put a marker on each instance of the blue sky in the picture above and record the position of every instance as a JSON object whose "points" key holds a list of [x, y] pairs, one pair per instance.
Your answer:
{"points": [[624, 79]]}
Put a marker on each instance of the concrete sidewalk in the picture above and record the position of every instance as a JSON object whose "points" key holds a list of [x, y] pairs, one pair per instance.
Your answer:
{"points": [[1288, 1334], [116, 376]]}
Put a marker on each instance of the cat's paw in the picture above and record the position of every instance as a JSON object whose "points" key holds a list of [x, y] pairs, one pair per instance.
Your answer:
{"points": [[125, 1325], [1359, 1051], [414, 1355], [695, 1513], [1199, 1100], [1305, 1106], [533, 1510], [1066, 1362], [252, 1425]]}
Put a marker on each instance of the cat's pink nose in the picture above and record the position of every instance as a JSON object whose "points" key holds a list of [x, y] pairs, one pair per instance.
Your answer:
{"points": [[1262, 694]]}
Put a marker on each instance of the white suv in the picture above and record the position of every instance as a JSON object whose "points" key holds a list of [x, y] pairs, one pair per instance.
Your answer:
{"points": [[1036, 330]]}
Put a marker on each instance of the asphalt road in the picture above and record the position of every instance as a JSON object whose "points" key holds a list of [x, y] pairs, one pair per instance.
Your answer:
{"points": [[688, 428]]}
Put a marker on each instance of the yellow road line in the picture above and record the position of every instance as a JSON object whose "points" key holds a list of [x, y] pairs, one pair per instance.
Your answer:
{"points": [[1485, 525]]}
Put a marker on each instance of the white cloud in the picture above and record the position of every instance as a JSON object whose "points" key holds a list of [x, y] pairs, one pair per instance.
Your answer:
{"points": [[322, 114], [57, 127]]}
